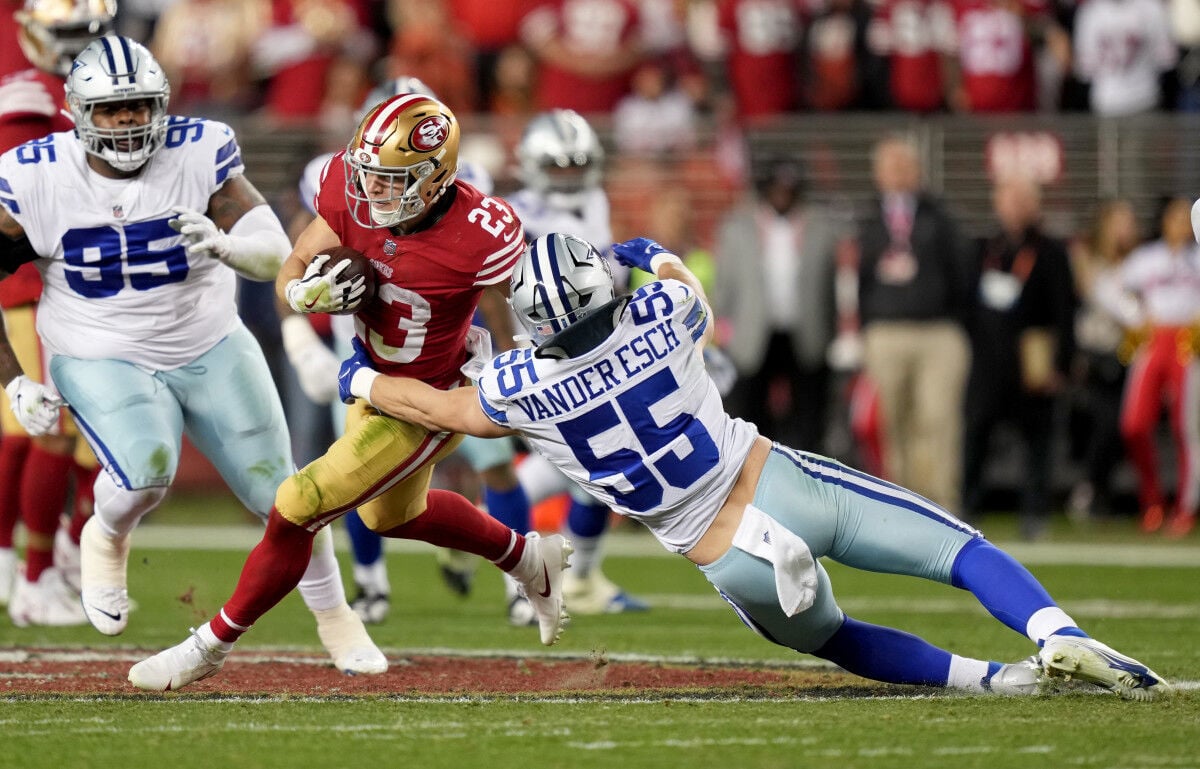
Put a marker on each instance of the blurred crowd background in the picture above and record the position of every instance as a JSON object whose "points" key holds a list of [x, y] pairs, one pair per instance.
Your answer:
{"points": [[803, 156]]}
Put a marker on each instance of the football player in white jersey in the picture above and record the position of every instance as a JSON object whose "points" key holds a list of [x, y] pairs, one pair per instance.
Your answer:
{"points": [[139, 223], [615, 394], [560, 161], [316, 369]]}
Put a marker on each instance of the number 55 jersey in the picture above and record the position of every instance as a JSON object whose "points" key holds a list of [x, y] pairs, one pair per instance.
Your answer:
{"points": [[118, 281], [634, 419]]}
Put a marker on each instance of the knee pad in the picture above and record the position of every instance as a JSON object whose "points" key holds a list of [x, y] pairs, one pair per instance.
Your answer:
{"points": [[120, 509]]}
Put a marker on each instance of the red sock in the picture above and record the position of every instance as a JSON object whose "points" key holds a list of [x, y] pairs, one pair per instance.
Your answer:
{"points": [[85, 498], [43, 495], [273, 568], [13, 450], [450, 520]]}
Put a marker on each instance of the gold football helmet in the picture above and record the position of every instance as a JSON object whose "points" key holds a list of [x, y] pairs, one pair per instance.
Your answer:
{"points": [[54, 32], [403, 157]]}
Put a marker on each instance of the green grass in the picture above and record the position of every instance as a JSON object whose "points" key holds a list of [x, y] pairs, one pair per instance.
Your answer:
{"points": [[1150, 611]]}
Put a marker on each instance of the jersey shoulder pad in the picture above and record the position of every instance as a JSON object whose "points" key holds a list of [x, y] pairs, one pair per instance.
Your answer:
{"points": [[210, 144], [673, 299]]}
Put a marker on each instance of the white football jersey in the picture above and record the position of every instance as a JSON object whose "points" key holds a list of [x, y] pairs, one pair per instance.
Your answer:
{"points": [[118, 281], [635, 420]]}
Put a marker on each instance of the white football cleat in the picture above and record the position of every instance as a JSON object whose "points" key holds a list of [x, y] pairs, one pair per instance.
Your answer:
{"points": [[1017, 678], [49, 602], [346, 639], [174, 668], [544, 589], [102, 590], [1086, 659], [597, 594]]}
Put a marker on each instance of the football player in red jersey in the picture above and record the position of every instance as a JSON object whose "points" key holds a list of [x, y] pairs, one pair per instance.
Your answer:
{"points": [[33, 471], [436, 244]]}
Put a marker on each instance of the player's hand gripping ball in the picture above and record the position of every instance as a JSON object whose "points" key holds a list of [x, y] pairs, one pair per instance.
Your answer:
{"points": [[339, 280]]}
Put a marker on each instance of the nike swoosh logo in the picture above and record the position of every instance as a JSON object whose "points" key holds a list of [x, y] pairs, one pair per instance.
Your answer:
{"points": [[313, 303], [114, 617], [545, 576]]}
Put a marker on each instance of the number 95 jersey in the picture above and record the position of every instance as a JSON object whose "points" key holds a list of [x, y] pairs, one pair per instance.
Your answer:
{"points": [[118, 280], [635, 420]]}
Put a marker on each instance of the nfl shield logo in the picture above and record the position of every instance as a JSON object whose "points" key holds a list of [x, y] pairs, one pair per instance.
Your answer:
{"points": [[389, 247], [118, 212]]}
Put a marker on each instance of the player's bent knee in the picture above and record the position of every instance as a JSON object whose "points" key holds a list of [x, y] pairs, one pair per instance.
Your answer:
{"points": [[298, 498]]}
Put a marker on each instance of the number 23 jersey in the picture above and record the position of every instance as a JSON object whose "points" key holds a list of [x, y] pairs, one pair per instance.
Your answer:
{"points": [[119, 282], [429, 281], [636, 420]]}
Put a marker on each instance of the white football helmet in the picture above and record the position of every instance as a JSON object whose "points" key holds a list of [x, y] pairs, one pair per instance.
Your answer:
{"points": [[559, 281], [560, 156], [54, 32], [118, 69]]}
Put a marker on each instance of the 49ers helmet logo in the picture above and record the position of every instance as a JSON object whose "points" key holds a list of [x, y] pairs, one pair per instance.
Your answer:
{"points": [[430, 133]]}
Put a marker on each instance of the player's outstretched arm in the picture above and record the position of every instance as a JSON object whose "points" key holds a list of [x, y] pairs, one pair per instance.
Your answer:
{"points": [[646, 254], [410, 400]]}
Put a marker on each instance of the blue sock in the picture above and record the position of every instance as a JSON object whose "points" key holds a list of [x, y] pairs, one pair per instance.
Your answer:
{"points": [[509, 507], [366, 545], [886, 654], [587, 519], [1002, 585]]}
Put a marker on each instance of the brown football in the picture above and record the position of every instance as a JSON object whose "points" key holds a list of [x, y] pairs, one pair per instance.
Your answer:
{"points": [[359, 265]]}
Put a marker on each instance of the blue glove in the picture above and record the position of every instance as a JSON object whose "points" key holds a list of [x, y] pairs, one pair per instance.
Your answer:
{"points": [[638, 253], [357, 362]]}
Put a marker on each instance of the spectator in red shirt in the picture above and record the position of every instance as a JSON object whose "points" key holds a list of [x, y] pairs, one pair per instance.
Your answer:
{"points": [[762, 55], [912, 34], [489, 28], [990, 58], [586, 51]]}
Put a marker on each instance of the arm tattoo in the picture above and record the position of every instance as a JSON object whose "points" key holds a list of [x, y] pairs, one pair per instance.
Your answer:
{"points": [[236, 197]]}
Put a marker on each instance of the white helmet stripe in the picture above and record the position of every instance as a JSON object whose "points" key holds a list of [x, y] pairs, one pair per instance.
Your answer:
{"points": [[388, 114]]}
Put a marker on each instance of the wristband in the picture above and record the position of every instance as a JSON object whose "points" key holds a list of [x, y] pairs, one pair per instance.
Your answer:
{"points": [[361, 382], [666, 257]]}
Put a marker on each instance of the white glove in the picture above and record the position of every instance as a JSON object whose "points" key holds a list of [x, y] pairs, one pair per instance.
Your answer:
{"points": [[35, 404], [325, 293], [202, 234], [316, 365]]}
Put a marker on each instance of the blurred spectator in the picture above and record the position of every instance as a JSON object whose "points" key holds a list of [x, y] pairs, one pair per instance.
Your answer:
{"points": [[1100, 363], [912, 34], [912, 288], [1021, 325], [298, 49], [774, 295], [989, 65], [205, 48], [1122, 47], [1184, 16], [1162, 279], [488, 27], [657, 117], [515, 74], [762, 41], [586, 51], [837, 61], [428, 45]]}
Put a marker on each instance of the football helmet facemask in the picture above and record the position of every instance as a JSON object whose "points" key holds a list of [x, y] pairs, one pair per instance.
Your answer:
{"points": [[54, 32], [559, 280], [560, 156], [403, 157], [118, 69]]}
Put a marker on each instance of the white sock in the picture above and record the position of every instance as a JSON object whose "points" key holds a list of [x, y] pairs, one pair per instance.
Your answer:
{"points": [[587, 556], [321, 586], [118, 509], [210, 638], [1046, 622], [966, 673], [373, 577]]}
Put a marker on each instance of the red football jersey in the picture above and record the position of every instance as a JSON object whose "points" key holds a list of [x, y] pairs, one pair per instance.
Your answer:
{"points": [[596, 28], [912, 34], [762, 38], [430, 281], [23, 118], [995, 54]]}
